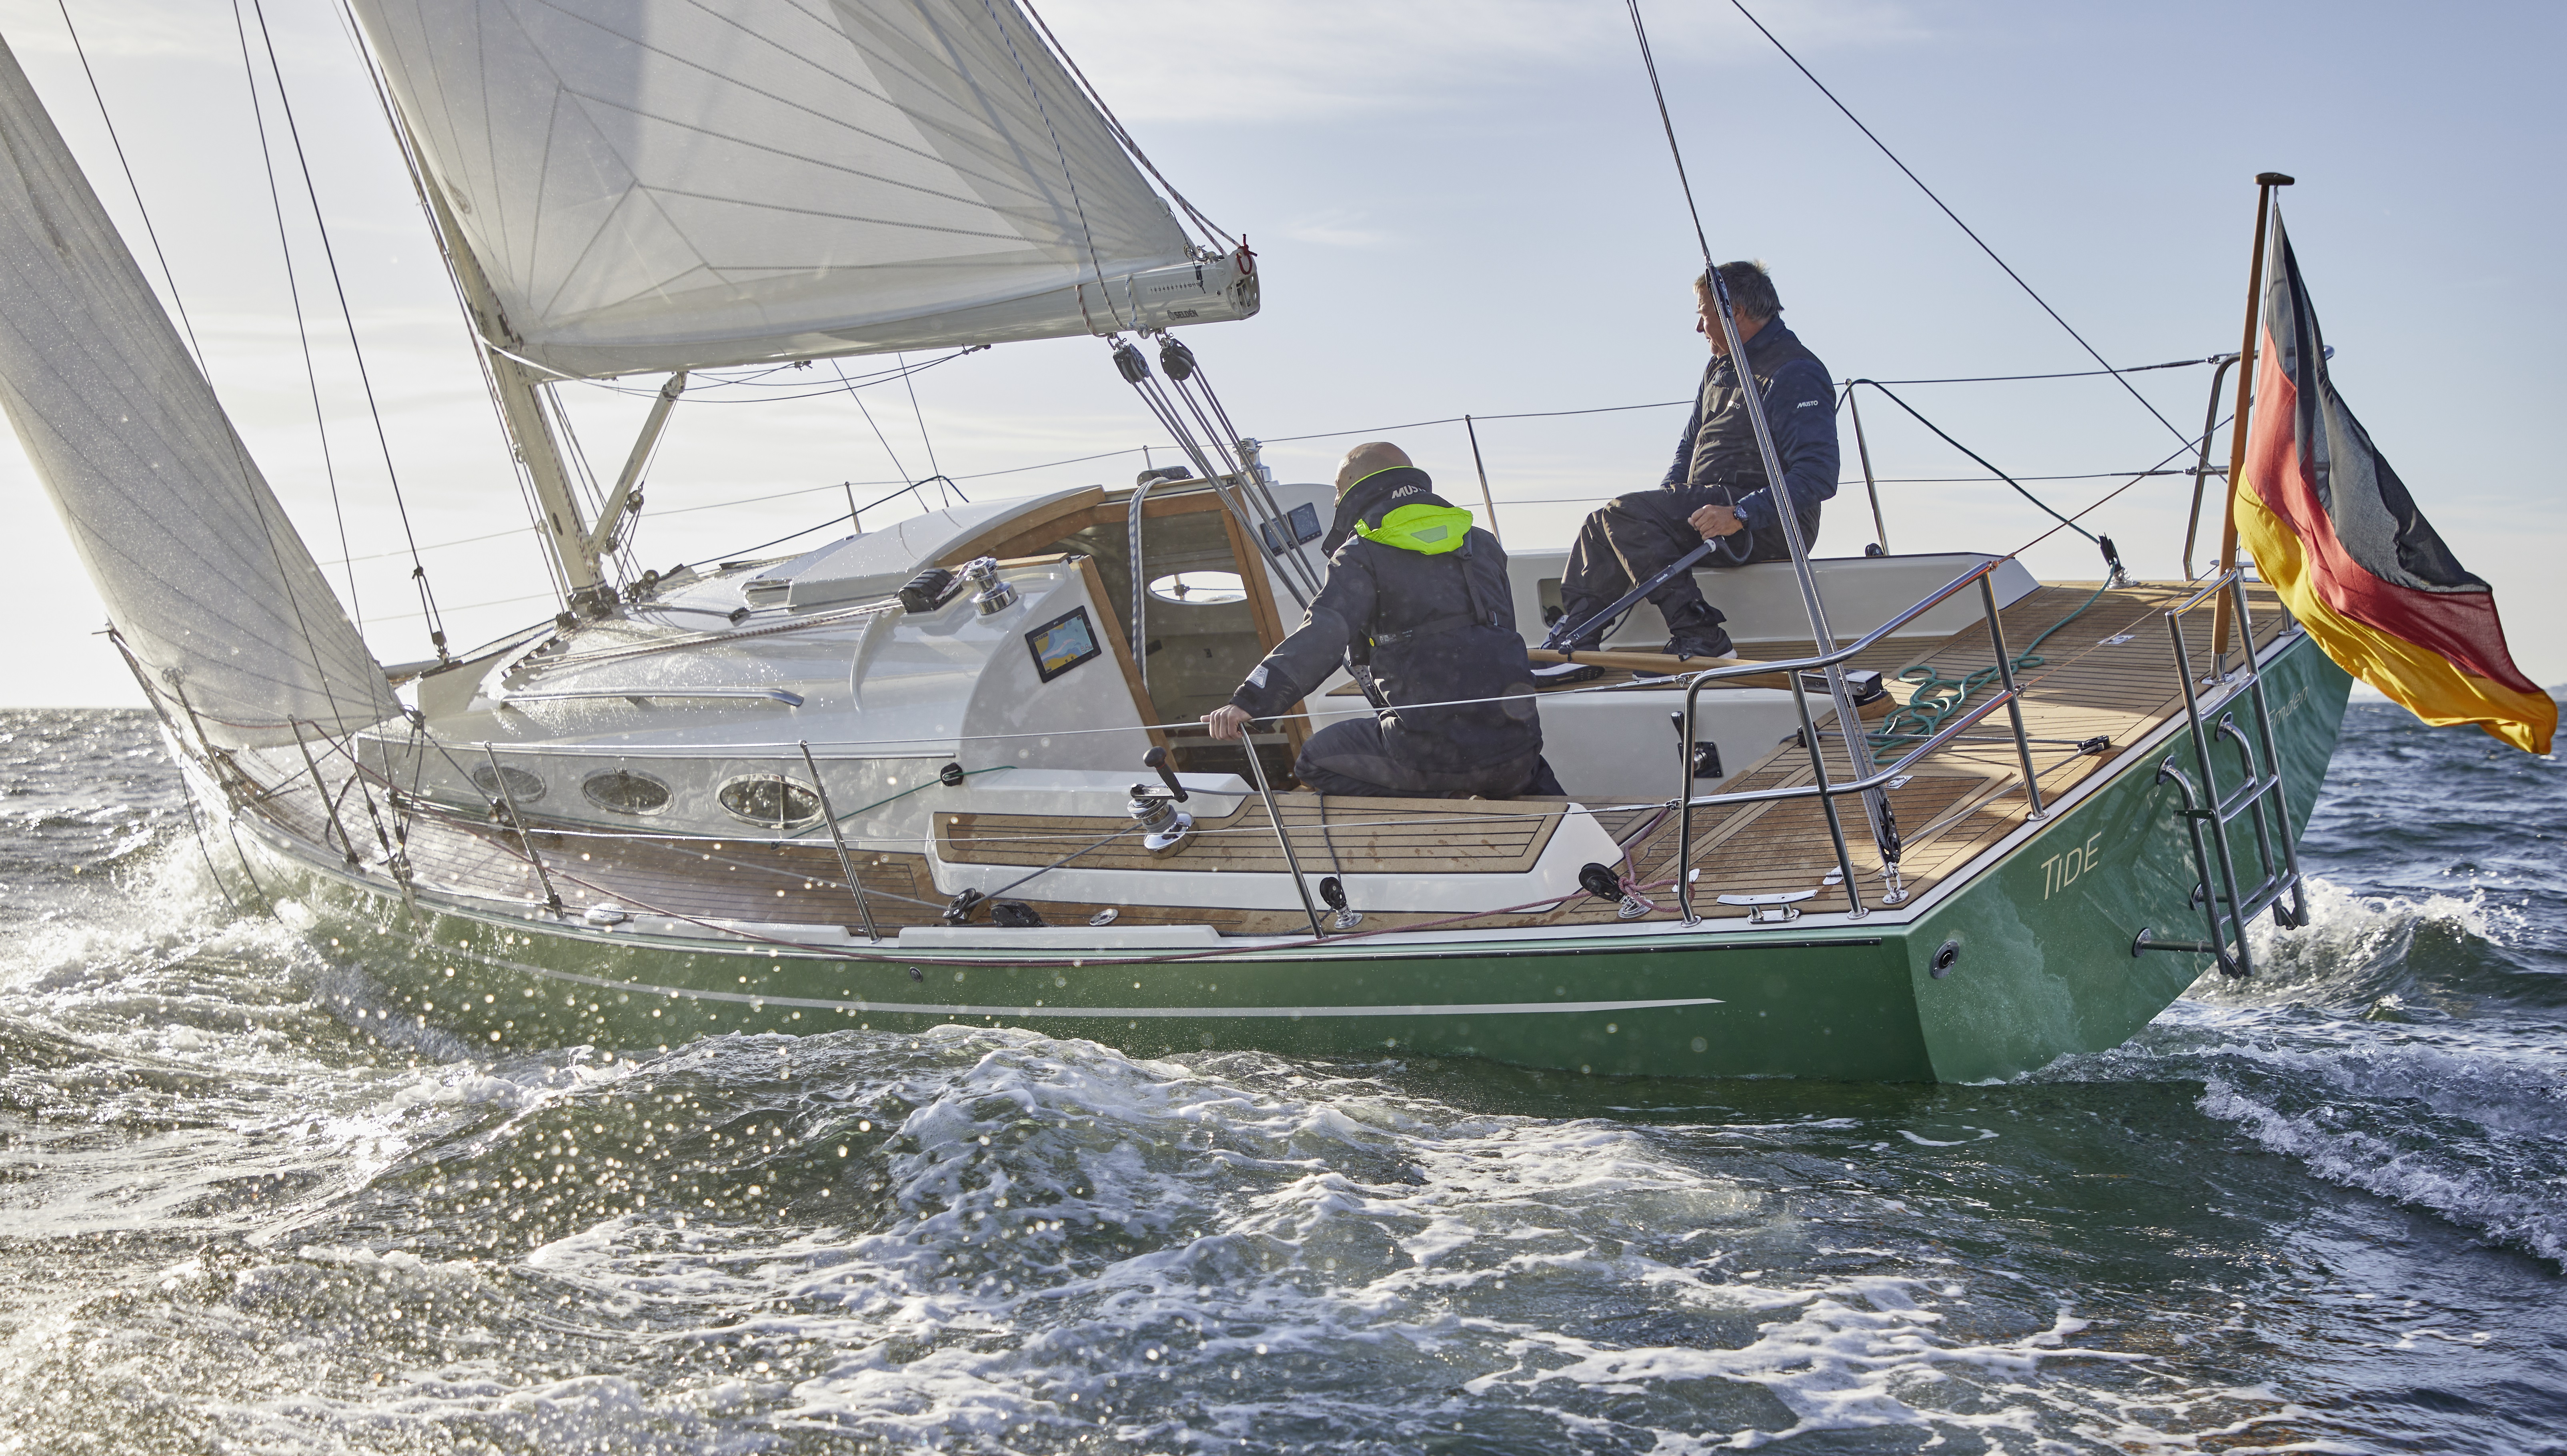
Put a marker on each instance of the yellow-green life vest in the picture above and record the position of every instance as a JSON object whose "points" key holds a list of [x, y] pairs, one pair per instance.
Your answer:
{"points": [[1429, 530]]}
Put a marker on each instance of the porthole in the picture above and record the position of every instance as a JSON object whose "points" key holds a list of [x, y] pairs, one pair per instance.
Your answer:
{"points": [[1200, 588], [524, 788], [626, 793], [769, 800]]}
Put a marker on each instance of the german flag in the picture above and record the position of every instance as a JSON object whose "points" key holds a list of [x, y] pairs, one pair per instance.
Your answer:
{"points": [[2334, 530]]}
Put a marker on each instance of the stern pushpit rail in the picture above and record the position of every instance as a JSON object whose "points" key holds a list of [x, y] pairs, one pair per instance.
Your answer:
{"points": [[1825, 791], [2227, 907]]}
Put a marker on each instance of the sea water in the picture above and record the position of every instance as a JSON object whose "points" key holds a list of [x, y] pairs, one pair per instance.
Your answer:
{"points": [[241, 1211]]}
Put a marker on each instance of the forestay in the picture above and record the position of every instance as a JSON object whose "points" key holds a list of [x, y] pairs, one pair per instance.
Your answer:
{"points": [[656, 185], [203, 574]]}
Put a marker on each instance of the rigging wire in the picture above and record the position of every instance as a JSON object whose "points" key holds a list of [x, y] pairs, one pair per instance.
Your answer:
{"points": [[1286, 440], [347, 314], [2137, 476], [1649, 61], [1096, 99], [1995, 379], [908, 381], [1974, 454], [738, 553], [700, 383], [250, 482], [136, 189], [1875, 141], [1078, 206], [1937, 698], [480, 348], [294, 296], [869, 419]]}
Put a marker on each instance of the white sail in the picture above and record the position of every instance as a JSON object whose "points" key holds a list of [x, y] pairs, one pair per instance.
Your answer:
{"points": [[661, 184], [205, 578]]}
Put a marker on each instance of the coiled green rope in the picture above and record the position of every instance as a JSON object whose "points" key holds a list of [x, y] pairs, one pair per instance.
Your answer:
{"points": [[1937, 698]]}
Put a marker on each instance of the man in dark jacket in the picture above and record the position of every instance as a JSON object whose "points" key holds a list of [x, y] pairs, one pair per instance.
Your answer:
{"points": [[1717, 487], [1418, 597]]}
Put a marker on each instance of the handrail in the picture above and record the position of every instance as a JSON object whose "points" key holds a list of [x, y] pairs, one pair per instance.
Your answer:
{"points": [[771, 695], [2216, 583], [1861, 644], [2008, 696], [1879, 779]]}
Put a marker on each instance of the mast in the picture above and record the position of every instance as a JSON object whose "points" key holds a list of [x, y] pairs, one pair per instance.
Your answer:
{"points": [[564, 535]]}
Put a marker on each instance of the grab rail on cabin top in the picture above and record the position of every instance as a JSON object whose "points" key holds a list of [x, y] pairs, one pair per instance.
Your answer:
{"points": [[2007, 696]]}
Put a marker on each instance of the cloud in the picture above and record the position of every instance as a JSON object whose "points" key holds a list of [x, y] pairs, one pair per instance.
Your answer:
{"points": [[1268, 60]]}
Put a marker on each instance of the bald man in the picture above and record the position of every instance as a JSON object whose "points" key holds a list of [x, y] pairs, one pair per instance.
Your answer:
{"points": [[1420, 596]]}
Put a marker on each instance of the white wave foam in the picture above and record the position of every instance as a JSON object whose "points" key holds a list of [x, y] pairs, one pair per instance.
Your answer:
{"points": [[2354, 947], [1232, 1252]]}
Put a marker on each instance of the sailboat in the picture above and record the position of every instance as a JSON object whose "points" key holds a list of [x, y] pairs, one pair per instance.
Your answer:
{"points": [[947, 771]]}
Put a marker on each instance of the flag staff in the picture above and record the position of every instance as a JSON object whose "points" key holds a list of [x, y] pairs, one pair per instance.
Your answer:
{"points": [[2265, 182]]}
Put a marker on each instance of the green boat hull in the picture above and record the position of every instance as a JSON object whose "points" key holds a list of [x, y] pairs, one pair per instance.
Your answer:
{"points": [[2041, 965]]}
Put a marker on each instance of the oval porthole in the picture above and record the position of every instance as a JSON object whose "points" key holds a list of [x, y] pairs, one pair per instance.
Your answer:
{"points": [[524, 788], [626, 793], [1200, 588], [769, 800]]}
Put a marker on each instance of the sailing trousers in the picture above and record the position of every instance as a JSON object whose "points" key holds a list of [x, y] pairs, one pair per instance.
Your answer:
{"points": [[1632, 537], [1350, 757]]}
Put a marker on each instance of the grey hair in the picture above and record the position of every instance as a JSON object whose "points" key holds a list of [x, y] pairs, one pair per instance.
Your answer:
{"points": [[1751, 289]]}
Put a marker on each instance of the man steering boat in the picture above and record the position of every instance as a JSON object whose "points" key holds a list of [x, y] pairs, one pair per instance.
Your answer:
{"points": [[1716, 490]]}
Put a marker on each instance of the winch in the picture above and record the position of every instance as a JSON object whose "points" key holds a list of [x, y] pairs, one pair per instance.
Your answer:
{"points": [[1164, 826]]}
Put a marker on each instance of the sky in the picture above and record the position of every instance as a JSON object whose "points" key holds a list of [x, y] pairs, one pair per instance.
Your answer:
{"points": [[1463, 208]]}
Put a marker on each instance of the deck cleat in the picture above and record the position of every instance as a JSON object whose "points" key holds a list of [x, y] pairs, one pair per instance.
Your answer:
{"points": [[1780, 909]]}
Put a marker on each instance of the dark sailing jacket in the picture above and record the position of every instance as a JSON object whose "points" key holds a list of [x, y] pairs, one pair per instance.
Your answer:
{"points": [[1435, 618], [1718, 447]]}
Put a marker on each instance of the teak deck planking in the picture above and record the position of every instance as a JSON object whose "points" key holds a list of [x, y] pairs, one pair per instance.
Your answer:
{"points": [[2106, 673]]}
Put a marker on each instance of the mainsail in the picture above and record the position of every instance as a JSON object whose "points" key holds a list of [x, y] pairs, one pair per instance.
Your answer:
{"points": [[205, 578], [663, 184]]}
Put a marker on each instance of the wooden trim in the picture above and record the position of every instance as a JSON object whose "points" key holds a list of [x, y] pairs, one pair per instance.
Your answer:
{"points": [[1110, 623], [1091, 508], [1027, 532], [1660, 661], [1055, 526], [1370, 835], [1254, 573]]}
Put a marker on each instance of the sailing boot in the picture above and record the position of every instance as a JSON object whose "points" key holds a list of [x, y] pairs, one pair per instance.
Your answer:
{"points": [[1694, 631]]}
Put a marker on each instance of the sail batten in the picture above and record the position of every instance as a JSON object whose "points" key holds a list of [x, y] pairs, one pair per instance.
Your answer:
{"points": [[205, 578], [661, 184]]}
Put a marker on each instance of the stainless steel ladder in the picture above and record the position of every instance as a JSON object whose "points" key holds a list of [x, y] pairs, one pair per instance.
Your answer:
{"points": [[2258, 797]]}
